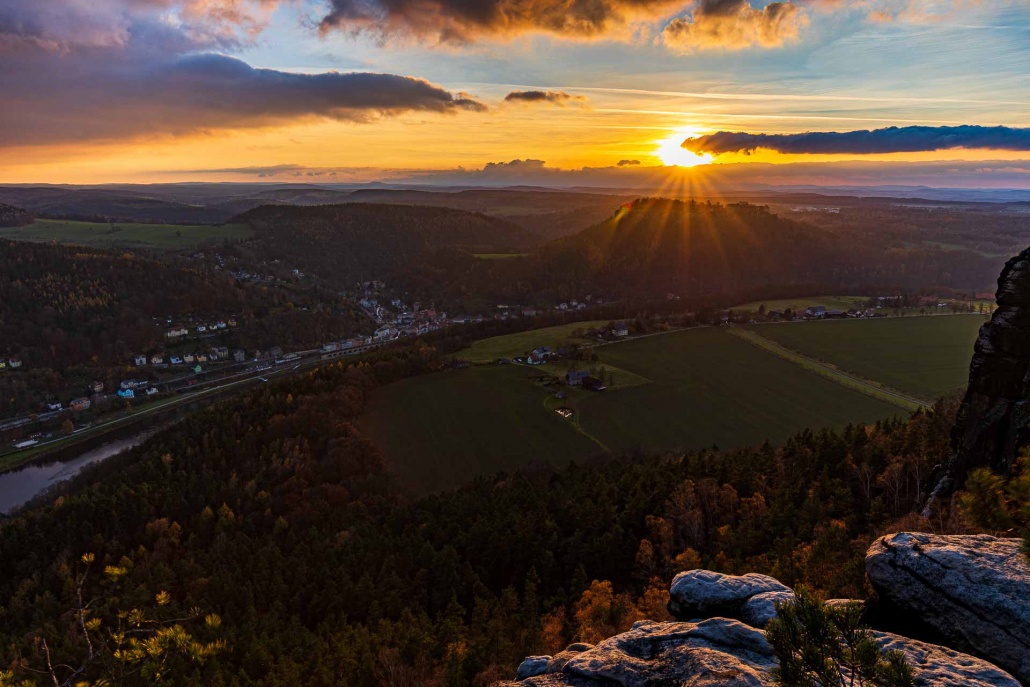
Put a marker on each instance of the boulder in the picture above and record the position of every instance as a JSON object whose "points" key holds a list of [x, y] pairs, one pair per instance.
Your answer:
{"points": [[974, 591], [937, 666], [760, 609], [705, 594], [561, 658], [992, 423], [532, 666]]}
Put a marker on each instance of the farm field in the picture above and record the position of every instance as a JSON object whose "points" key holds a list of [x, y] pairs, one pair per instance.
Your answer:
{"points": [[683, 390], [509, 345], [440, 430], [125, 234], [710, 387], [923, 356]]}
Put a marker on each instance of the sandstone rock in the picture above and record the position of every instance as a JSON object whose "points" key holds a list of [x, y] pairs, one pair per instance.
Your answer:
{"points": [[705, 594], [532, 666], [973, 590], [761, 608], [937, 666], [992, 423], [561, 658]]}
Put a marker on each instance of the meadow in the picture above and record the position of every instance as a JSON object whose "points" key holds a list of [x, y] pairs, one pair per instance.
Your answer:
{"points": [[682, 390], [923, 356], [511, 345], [126, 234], [799, 304]]}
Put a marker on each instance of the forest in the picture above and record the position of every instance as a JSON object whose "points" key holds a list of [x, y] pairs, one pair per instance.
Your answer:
{"points": [[276, 514]]}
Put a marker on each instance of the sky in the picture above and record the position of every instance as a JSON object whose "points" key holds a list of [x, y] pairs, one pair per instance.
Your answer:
{"points": [[612, 93]]}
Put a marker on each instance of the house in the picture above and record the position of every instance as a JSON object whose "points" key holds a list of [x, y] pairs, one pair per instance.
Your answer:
{"points": [[239, 355], [198, 369], [231, 322], [275, 351], [127, 384], [576, 377], [126, 393], [220, 324], [188, 358], [536, 359], [79, 404], [620, 329], [176, 333], [212, 355], [222, 352], [54, 406], [817, 311], [835, 314], [96, 387], [14, 363], [201, 329], [152, 391], [157, 359], [141, 360], [593, 383], [201, 358], [176, 360]]}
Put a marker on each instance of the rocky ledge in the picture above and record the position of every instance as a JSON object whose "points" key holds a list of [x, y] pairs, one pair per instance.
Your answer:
{"points": [[718, 637]]}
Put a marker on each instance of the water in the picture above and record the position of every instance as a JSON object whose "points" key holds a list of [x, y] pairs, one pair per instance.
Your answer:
{"points": [[20, 485]]}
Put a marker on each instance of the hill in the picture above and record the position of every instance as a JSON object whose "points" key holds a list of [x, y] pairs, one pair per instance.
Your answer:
{"points": [[11, 216], [100, 204], [343, 244]]}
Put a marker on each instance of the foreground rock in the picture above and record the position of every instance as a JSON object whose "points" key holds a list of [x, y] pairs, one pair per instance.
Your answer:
{"points": [[727, 653], [992, 423], [973, 590], [706, 594]]}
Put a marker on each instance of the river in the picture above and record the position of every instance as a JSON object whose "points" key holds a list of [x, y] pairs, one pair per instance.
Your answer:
{"points": [[20, 485]]}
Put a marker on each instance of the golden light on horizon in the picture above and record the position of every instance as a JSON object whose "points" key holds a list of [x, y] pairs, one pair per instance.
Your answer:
{"points": [[672, 153]]}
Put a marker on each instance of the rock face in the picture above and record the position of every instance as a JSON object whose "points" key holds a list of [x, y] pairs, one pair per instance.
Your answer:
{"points": [[705, 594], [937, 666], [991, 426], [973, 590]]}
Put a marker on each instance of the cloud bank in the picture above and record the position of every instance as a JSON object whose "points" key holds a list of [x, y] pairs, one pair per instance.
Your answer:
{"points": [[909, 139], [158, 67], [560, 98]]}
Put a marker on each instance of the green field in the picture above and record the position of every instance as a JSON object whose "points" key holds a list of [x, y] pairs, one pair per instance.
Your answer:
{"points": [[687, 389], [125, 234], [923, 356], [510, 345], [442, 429], [710, 387]]}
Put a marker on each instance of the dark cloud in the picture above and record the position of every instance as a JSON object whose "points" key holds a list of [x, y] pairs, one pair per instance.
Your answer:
{"points": [[893, 139], [560, 98], [143, 76], [628, 163], [735, 25], [462, 21]]}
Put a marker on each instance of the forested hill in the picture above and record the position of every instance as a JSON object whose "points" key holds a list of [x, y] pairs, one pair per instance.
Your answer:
{"points": [[659, 245], [274, 512], [359, 241], [11, 216]]}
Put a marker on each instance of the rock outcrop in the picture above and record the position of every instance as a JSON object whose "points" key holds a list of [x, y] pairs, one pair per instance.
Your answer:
{"points": [[706, 594], [972, 590], [969, 588], [992, 423]]}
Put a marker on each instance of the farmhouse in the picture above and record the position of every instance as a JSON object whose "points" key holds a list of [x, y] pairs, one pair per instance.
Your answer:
{"points": [[620, 329], [817, 311], [576, 377]]}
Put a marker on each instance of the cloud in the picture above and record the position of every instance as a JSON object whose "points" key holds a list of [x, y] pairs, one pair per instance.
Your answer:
{"points": [[154, 67], [465, 21], [628, 163], [736, 25], [560, 98], [893, 139]]}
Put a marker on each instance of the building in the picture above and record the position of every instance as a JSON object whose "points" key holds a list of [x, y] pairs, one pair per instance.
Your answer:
{"points": [[152, 391], [576, 377], [126, 393], [56, 405], [157, 359], [97, 387], [817, 311], [79, 404], [239, 356], [176, 360], [593, 383], [620, 329], [176, 333], [140, 360], [14, 363], [188, 358]]}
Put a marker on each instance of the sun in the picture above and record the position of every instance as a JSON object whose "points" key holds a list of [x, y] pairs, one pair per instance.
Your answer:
{"points": [[672, 153]]}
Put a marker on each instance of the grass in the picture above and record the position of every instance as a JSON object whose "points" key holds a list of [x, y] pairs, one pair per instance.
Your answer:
{"points": [[713, 388], [926, 357], [510, 345], [443, 429], [125, 234]]}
